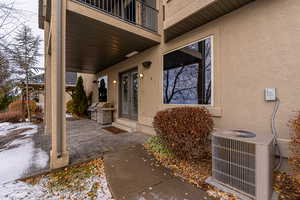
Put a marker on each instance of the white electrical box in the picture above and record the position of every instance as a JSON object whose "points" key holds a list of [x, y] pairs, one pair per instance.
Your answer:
{"points": [[270, 94]]}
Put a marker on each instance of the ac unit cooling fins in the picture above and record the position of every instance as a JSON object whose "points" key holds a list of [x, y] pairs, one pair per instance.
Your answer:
{"points": [[243, 164]]}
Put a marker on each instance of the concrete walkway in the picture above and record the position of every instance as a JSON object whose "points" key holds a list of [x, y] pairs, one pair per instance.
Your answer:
{"points": [[132, 175]]}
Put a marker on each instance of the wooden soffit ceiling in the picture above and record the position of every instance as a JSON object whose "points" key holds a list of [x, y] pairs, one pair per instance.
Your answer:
{"points": [[92, 46]]}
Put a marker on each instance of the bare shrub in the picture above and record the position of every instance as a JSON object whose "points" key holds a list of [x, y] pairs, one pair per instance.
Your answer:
{"points": [[185, 131], [10, 117]]}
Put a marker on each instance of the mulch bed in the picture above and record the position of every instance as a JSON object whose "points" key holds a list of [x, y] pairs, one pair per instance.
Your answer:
{"points": [[114, 130]]}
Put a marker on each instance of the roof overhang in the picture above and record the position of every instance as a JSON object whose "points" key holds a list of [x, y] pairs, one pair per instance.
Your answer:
{"points": [[207, 13], [95, 41]]}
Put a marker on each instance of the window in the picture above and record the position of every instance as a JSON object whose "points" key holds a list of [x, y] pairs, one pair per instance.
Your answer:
{"points": [[71, 78], [188, 74]]}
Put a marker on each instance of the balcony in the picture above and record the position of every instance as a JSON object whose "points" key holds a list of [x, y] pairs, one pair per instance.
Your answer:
{"points": [[101, 33], [132, 11]]}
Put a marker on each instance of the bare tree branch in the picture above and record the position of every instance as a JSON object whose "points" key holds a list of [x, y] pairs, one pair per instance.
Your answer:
{"points": [[23, 55]]}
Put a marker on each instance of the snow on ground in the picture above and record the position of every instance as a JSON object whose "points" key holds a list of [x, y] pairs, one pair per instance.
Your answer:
{"points": [[20, 156], [82, 181], [21, 190], [7, 127], [3, 128]]}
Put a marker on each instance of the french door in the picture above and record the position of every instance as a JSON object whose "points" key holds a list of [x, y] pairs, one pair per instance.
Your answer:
{"points": [[128, 96]]}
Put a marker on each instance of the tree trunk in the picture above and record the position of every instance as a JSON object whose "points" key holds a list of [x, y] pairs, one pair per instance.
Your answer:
{"points": [[23, 107], [27, 99]]}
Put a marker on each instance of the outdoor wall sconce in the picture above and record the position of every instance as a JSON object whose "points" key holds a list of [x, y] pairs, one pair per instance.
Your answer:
{"points": [[141, 75], [147, 64], [114, 82]]}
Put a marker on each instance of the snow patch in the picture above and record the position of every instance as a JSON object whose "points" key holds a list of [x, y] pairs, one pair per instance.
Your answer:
{"points": [[3, 126], [15, 161], [22, 156], [6, 127], [41, 158], [21, 190]]}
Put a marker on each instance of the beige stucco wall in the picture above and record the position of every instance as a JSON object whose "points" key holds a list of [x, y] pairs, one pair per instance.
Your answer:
{"points": [[42, 99], [88, 84], [176, 10], [255, 47]]}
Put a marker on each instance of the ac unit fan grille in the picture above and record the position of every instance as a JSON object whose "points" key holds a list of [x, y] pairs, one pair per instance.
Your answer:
{"points": [[234, 164]]}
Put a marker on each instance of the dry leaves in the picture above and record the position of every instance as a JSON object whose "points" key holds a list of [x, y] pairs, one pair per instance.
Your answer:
{"points": [[295, 143], [71, 178], [287, 186], [193, 172]]}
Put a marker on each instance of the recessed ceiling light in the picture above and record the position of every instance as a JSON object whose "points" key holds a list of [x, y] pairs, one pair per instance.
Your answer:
{"points": [[131, 54]]}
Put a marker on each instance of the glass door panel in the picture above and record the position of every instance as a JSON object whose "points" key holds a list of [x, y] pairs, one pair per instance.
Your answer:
{"points": [[125, 95], [134, 96], [129, 94]]}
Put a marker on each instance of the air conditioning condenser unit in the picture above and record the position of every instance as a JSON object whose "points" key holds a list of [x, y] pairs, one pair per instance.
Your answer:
{"points": [[242, 163]]}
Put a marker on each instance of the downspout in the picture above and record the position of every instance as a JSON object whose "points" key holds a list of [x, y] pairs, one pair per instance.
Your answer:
{"points": [[59, 76]]}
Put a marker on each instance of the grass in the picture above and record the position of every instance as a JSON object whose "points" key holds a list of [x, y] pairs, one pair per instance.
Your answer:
{"points": [[193, 172], [155, 145]]}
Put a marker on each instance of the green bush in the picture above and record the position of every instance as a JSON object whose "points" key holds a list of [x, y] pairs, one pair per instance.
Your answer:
{"points": [[5, 100], [80, 101], [70, 107], [185, 131], [155, 144]]}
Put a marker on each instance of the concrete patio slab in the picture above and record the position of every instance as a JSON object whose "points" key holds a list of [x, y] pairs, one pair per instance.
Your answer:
{"points": [[86, 140], [132, 175]]}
